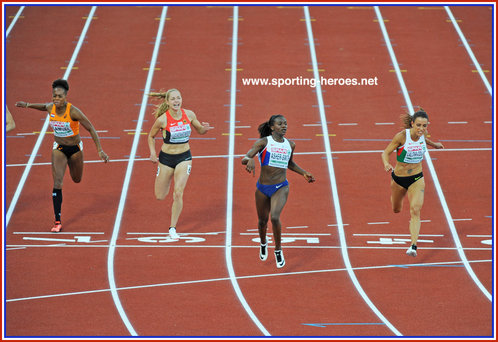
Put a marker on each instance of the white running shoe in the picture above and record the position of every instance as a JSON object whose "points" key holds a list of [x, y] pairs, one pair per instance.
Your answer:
{"points": [[263, 251], [279, 258], [411, 252], [173, 235]]}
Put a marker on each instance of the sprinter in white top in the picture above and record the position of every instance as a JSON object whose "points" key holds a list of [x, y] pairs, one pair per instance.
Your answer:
{"points": [[407, 177], [275, 155]]}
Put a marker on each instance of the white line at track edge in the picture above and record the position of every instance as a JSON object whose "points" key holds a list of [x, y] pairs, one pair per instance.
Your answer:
{"points": [[335, 195], [95, 161], [469, 50], [38, 143], [231, 148], [11, 26], [241, 277], [428, 160], [126, 182]]}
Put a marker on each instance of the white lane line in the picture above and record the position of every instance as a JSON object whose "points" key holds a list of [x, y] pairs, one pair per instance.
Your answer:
{"points": [[430, 235], [181, 234], [61, 233], [156, 245], [469, 50], [294, 234], [241, 155], [335, 194], [348, 124], [126, 183], [231, 152], [378, 222], [429, 163], [38, 143], [201, 281], [14, 21], [15, 248], [457, 122], [48, 239]]}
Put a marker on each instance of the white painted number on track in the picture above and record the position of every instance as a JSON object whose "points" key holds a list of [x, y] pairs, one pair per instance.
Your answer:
{"points": [[288, 239], [160, 239], [390, 241]]}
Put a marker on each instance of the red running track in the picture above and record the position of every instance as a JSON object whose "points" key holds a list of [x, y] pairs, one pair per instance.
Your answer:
{"points": [[183, 288]]}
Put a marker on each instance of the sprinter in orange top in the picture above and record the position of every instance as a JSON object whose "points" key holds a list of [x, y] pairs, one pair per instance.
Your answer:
{"points": [[65, 120]]}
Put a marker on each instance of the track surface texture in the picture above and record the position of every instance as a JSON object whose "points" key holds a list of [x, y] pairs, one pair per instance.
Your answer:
{"points": [[114, 271]]}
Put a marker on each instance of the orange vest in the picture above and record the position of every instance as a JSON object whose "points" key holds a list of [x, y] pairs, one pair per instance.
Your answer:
{"points": [[63, 125]]}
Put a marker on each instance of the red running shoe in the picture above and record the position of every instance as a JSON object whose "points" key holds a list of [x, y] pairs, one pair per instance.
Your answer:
{"points": [[57, 227]]}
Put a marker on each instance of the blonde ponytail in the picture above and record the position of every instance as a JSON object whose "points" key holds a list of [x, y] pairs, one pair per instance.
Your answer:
{"points": [[163, 107]]}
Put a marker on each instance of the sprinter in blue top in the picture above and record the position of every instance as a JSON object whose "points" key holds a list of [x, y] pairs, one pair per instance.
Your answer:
{"points": [[275, 155], [407, 178]]}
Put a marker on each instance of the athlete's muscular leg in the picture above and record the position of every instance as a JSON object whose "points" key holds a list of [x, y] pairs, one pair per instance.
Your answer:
{"points": [[263, 210], [278, 201]]}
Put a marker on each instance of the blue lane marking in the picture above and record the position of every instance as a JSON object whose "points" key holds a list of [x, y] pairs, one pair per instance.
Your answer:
{"points": [[324, 325]]}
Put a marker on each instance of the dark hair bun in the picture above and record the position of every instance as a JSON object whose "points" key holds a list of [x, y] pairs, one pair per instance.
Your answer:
{"points": [[60, 83]]}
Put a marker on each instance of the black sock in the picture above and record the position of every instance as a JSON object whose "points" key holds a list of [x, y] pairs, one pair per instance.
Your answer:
{"points": [[414, 247], [57, 199]]}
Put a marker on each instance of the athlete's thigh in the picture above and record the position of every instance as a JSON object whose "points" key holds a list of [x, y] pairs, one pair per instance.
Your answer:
{"points": [[416, 193], [397, 194], [278, 200], [182, 173], [163, 179], [263, 205], [75, 164], [59, 164]]}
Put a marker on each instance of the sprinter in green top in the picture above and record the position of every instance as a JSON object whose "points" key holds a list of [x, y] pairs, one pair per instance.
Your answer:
{"points": [[407, 177]]}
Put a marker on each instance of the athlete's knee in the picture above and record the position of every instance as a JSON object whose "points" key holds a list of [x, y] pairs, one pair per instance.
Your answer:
{"points": [[275, 220], [397, 207], [160, 195], [58, 183], [178, 195], [415, 210]]}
